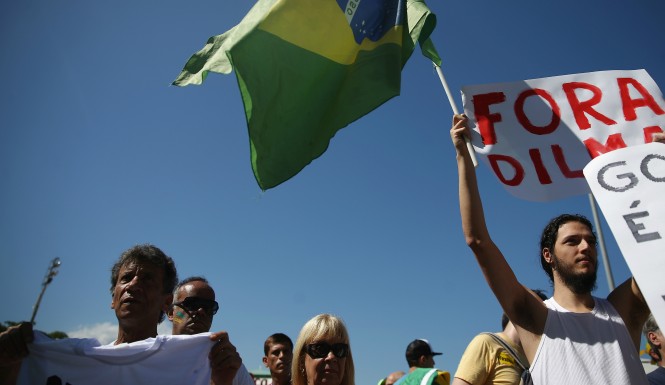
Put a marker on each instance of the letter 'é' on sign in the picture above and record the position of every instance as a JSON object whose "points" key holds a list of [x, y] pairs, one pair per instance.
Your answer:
{"points": [[628, 185]]}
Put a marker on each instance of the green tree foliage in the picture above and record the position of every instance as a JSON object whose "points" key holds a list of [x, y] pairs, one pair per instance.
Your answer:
{"points": [[4, 326], [57, 335]]}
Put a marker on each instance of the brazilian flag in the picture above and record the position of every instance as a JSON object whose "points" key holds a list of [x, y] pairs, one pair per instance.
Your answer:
{"points": [[307, 68]]}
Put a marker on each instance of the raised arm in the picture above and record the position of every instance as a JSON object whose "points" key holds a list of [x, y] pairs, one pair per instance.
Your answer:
{"points": [[627, 299], [527, 312]]}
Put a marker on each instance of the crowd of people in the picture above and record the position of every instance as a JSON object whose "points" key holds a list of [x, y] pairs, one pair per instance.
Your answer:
{"points": [[560, 340]]}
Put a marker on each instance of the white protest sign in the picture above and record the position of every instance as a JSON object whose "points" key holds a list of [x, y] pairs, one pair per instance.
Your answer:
{"points": [[629, 185], [537, 135]]}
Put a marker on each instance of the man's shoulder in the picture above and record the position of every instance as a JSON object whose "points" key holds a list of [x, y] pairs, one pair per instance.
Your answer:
{"points": [[442, 377], [486, 337], [657, 376], [431, 375]]}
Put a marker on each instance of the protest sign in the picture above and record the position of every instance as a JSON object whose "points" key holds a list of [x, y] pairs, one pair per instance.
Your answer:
{"points": [[537, 135], [628, 185]]}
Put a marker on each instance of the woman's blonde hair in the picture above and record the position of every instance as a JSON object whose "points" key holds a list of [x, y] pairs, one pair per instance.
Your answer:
{"points": [[321, 327]]}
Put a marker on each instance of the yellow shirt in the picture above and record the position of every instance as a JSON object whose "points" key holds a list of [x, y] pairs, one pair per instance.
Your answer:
{"points": [[486, 362]]}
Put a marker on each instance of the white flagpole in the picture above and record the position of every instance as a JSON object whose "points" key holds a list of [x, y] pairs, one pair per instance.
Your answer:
{"points": [[601, 243], [453, 105]]}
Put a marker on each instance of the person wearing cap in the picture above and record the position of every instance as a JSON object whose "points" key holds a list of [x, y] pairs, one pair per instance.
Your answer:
{"points": [[420, 358]]}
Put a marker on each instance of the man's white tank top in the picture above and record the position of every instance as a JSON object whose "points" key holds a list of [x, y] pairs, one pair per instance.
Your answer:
{"points": [[586, 349]]}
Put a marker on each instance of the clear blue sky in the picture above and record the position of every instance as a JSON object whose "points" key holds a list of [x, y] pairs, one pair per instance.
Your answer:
{"points": [[99, 153]]}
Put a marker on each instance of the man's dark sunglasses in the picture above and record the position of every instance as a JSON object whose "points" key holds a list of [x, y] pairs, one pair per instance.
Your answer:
{"points": [[321, 350], [192, 304]]}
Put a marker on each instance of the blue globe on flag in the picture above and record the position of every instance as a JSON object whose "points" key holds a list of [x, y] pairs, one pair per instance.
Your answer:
{"points": [[371, 19]]}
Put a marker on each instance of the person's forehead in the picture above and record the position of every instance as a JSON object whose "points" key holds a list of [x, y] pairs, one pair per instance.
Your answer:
{"points": [[331, 339], [146, 267], [573, 227], [278, 346], [196, 289]]}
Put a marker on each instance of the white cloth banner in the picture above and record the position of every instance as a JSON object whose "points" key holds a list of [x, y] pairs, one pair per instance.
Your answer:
{"points": [[164, 360], [537, 135], [629, 185]]}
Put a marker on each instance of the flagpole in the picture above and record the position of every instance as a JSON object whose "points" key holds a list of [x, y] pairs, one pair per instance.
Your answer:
{"points": [[453, 105], [48, 278], [601, 243]]}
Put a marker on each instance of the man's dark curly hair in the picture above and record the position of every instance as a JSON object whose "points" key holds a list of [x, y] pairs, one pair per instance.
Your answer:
{"points": [[550, 233], [154, 256]]}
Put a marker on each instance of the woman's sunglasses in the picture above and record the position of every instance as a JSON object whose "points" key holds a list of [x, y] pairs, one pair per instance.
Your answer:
{"points": [[321, 350]]}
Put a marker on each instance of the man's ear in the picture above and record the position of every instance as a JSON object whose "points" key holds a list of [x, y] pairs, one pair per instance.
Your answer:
{"points": [[166, 305], [547, 255], [657, 345], [421, 360], [265, 361], [653, 340], [169, 313]]}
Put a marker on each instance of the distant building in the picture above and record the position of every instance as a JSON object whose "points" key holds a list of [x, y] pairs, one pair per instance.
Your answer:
{"points": [[261, 377]]}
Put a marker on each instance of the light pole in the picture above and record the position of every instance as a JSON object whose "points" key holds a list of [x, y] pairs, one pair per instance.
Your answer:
{"points": [[50, 273]]}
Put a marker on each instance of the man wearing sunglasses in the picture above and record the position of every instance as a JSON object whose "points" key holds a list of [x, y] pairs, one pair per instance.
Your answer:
{"points": [[142, 282], [192, 312], [193, 306]]}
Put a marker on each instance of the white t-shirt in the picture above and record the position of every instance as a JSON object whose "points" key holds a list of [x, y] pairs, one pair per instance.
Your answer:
{"points": [[79, 361]]}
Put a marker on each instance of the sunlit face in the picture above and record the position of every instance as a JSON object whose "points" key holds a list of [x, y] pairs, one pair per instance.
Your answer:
{"points": [[574, 259], [325, 371], [138, 295], [191, 321], [278, 360]]}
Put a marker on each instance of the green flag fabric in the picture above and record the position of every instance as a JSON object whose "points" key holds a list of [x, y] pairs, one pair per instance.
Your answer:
{"points": [[307, 68], [421, 23]]}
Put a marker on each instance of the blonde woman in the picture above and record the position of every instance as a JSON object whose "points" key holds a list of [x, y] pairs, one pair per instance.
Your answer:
{"points": [[322, 354]]}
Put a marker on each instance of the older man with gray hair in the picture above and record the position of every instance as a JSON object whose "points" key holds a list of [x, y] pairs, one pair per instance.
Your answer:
{"points": [[656, 340]]}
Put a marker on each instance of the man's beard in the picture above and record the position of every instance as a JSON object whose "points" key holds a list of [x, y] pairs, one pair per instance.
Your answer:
{"points": [[578, 283]]}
